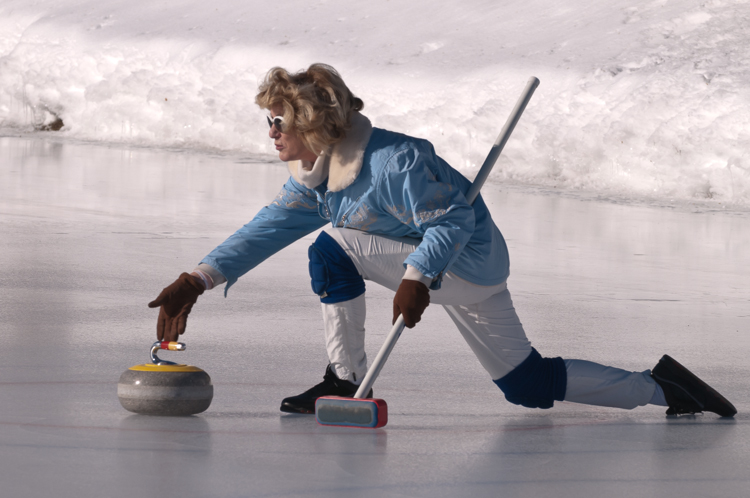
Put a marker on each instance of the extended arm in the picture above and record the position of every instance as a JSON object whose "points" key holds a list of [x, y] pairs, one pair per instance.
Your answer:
{"points": [[292, 215]]}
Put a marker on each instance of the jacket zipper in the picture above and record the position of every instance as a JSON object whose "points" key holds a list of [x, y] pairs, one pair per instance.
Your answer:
{"points": [[324, 204], [350, 210]]}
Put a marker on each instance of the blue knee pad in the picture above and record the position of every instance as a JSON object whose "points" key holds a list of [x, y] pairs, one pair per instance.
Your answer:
{"points": [[536, 383], [334, 277]]}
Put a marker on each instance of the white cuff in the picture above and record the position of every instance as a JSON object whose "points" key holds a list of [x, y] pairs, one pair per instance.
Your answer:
{"points": [[210, 275], [414, 274]]}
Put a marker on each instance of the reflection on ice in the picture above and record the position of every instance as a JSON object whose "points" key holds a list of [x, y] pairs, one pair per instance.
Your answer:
{"points": [[90, 234]]}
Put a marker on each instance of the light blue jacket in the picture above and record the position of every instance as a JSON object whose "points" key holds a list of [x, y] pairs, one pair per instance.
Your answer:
{"points": [[383, 183]]}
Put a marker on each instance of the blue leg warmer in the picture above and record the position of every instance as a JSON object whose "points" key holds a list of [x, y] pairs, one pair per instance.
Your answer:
{"points": [[334, 277], [536, 383]]}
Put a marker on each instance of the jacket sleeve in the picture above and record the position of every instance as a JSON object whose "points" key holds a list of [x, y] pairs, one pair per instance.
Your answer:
{"points": [[292, 215], [412, 192]]}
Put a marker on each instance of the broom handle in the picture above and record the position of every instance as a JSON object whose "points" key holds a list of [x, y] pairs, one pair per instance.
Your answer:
{"points": [[377, 365], [471, 195], [497, 147]]}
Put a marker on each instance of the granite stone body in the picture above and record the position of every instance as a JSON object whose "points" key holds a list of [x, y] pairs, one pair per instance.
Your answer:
{"points": [[170, 391]]}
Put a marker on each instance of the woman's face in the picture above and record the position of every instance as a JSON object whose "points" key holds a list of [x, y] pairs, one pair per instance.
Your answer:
{"points": [[288, 145]]}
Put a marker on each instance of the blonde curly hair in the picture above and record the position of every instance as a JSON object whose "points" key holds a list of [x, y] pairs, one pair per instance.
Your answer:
{"points": [[317, 105]]}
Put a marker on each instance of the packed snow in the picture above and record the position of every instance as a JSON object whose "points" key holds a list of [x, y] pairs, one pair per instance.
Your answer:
{"points": [[638, 100]]}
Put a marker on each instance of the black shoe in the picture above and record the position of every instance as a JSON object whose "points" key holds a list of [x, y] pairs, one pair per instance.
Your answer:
{"points": [[686, 393], [331, 386]]}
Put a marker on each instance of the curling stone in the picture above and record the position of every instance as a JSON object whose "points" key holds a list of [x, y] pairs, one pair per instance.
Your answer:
{"points": [[164, 387]]}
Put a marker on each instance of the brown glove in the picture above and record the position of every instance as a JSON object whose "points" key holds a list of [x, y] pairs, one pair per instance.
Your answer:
{"points": [[176, 301], [412, 298]]}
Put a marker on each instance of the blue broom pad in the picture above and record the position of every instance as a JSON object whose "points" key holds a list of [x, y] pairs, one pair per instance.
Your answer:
{"points": [[349, 412]]}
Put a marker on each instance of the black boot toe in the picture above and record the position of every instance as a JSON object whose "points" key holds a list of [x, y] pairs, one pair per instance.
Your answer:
{"points": [[331, 386], [686, 393]]}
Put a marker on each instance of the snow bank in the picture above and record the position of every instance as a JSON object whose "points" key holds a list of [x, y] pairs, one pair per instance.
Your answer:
{"points": [[645, 101]]}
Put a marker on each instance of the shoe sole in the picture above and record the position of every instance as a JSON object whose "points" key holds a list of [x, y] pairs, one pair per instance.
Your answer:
{"points": [[289, 408], [292, 409]]}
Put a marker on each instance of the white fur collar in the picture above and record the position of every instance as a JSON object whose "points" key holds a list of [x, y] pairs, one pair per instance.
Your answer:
{"points": [[341, 164], [311, 175]]}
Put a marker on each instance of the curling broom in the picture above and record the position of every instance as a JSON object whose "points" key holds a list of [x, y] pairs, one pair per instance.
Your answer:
{"points": [[372, 412]]}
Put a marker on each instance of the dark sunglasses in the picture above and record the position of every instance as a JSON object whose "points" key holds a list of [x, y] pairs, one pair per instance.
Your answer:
{"points": [[278, 122]]}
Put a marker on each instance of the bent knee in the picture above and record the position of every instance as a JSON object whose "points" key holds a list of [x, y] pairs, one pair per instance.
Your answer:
{"points": [[334, 278], [536, 383]]}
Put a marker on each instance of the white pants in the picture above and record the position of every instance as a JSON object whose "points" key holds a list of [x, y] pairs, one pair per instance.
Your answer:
{"points": [[484, 315]]}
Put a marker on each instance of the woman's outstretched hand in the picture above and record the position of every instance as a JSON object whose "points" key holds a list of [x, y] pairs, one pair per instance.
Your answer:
{"points": [[175, 303], [412, 298]]}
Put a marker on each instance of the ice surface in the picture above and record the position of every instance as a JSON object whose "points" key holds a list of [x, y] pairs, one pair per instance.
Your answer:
{"points": [[90, 234], [638, 99]]}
